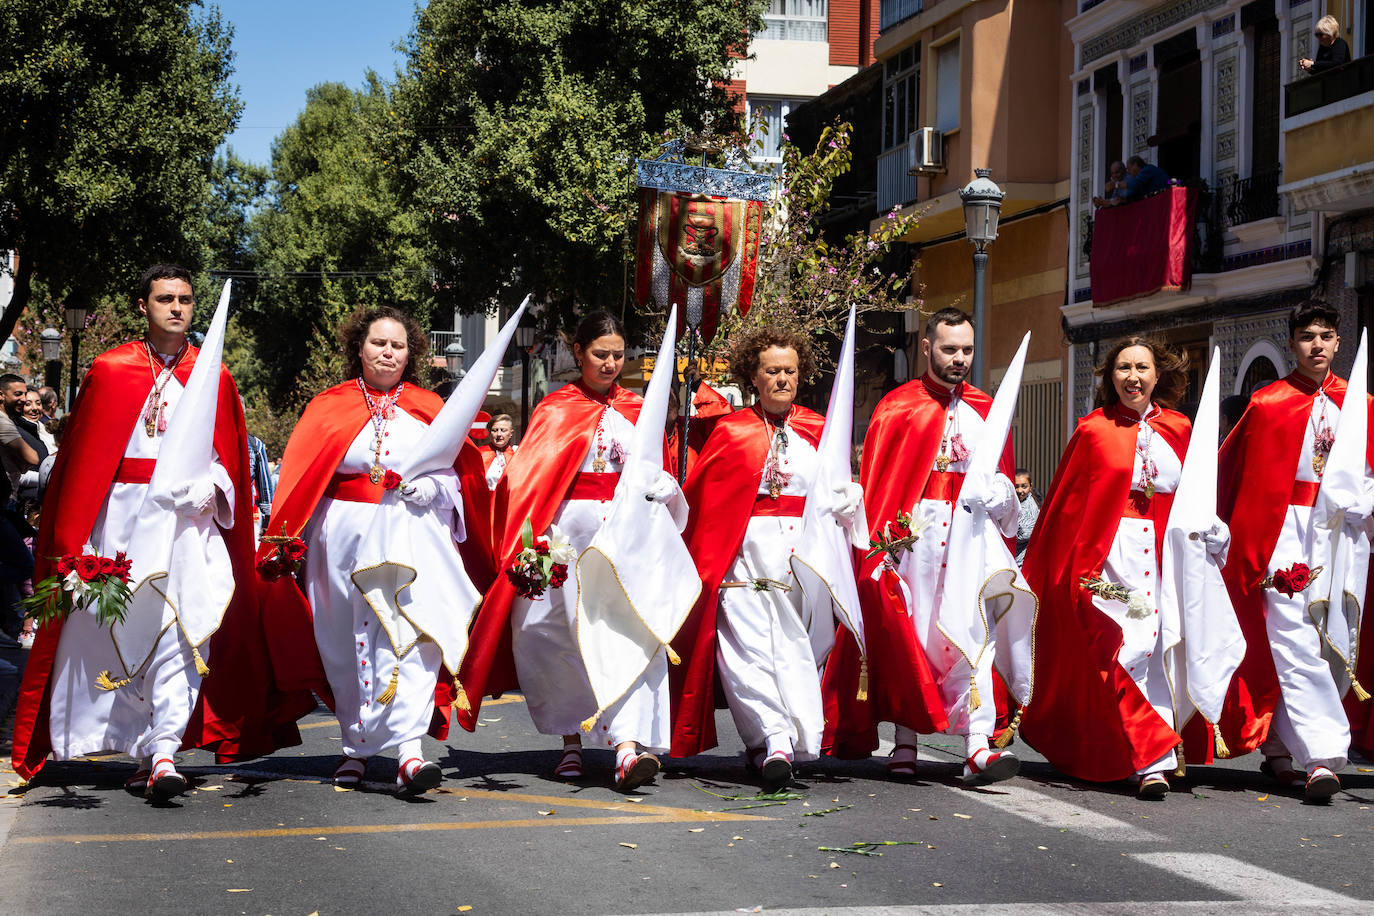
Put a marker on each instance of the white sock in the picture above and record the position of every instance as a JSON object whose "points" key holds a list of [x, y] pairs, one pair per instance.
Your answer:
{"points": [[975, 743], [906, 735], [625, 756], [777, 744], [411, 747]]}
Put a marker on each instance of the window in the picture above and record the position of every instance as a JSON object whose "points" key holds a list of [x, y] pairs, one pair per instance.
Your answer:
{"points": [[901, 82], [947, 86], [771, 115], [795, 20]]}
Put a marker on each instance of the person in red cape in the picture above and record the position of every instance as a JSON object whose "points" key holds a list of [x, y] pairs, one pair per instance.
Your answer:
{"points": [[561, 484], [95, 493], [1103, 707], [708, 406], [498, 450], [746, 632], [914, 458], [1286, 699], [387, 690]]}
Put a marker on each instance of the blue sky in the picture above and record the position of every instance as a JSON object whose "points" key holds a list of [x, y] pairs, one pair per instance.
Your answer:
{"points": [[283, 48]]}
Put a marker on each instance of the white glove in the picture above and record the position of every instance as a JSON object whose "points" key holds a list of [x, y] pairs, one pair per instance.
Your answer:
{"points": [[663, 488], [420, 492], [1217, 539], [848, 496], [193, 499]]}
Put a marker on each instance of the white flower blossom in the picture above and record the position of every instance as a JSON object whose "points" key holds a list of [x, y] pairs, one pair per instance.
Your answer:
{"points": [[1139, 606], [527, 556], [560, 548]]}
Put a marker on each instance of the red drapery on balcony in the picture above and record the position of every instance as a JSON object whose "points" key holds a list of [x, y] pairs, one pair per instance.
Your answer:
{"points": [[1143, 247]]}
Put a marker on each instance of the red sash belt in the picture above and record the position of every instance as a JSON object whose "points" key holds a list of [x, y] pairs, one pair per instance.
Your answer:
{"points": [[354, 488], [1138, 506], [591, 485], [135, 470], [1304, 493], [943, 485], [783, 507]]}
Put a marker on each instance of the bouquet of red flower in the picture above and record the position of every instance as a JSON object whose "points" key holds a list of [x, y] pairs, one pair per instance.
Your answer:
{"points": [[83, 580], [542, 562], [897, 536], [285, 559], [1292, 580]]}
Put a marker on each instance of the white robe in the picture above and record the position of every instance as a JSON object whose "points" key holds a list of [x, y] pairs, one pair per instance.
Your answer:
{"points": [[498, 466], [1133, 562], [768, 667], [1309, 722], [148, 716], [547, 660], [358, 656], [924, 574]]}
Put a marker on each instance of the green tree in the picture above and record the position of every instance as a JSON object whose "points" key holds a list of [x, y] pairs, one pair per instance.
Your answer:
{"points": [[110, 113], [518, 121], [331, 235]]}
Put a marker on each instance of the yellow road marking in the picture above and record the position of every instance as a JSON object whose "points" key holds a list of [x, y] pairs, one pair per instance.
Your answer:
{"points": [[632, 814]]}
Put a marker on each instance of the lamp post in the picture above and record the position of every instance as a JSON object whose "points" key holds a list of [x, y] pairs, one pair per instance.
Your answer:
{"points": [[982, 206], [453, 359], [51, 341], [525, 333], [76, 323]]}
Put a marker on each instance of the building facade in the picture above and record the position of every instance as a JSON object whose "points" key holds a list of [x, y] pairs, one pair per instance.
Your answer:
{"points": [[1282, 162]]}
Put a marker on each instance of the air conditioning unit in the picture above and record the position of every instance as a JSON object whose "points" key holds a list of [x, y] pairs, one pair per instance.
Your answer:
{"points": [[925, 151]]}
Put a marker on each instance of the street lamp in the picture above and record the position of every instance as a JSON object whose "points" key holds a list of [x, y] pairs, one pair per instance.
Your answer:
{"points": [[76, 323], [453, 358], [525, 333], [51, 341], [982, 206]]}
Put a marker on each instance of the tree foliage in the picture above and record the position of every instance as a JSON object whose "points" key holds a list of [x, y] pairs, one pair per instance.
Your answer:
{"points": [[110, 113], [518, 123], [331, 234]]}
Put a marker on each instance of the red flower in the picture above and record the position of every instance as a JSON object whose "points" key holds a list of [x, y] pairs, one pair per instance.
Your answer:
{"points": [[270, 568], [107, 566], [65, 565], [391, 480], [1300, 576], [900, 529], [558, 575], [541, 546], [87, 566], [294, 550]]}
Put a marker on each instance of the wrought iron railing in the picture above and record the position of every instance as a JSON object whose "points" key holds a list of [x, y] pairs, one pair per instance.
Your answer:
{"points": [[891, 12], [1307, 93], [1245, 200]]}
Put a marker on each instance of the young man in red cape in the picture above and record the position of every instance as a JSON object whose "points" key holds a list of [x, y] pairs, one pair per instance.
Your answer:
{"points": [[109, 450], [550, 457], [913, 461], [729, 469], [1286, 699], [318, 444]]}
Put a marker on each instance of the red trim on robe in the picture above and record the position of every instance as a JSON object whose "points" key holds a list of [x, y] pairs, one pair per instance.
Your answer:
{"points": [[1087, 716], [242, 711], [730, 468]]}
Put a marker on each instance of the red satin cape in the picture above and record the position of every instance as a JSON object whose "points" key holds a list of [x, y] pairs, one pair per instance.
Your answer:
{"points": [[313, 454], [242, 712], [899, 451], [1256, 470], [1086, 715], [729, 470], [536, 479]]}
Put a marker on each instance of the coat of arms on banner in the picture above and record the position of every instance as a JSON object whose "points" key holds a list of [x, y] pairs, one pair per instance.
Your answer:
{"points": [[698, 245]]}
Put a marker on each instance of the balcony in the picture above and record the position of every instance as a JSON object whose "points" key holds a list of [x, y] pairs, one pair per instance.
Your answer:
{"points": [[891, 12], [1328, 129], [895, 187]]}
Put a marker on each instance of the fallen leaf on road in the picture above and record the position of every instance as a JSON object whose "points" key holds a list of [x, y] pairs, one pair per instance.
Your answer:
{"points": [[230, 861], [967, 817], [1264, 797], [629, 799], [229, 805], [237, 890], [546, 813], [342, 789], [936, 884], [630, 845], [695, 829], [210, 788], [464, 908], [933, 817], [491, 720], [736, 837], [834, 864], [1042, 847]]}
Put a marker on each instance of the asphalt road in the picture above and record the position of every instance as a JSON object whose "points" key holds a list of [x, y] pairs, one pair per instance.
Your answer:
{"points": [[503, 835]]}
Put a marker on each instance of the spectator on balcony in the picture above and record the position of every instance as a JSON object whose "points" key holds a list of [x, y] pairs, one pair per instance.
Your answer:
{"points": [[1332, 51], [1142, 180], [1115, 188]]}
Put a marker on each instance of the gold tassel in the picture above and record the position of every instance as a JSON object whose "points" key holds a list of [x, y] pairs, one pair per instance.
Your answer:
{"points": [[461, 701], [1360, 693], [975, 701], [673, 657], [1181, 770], [201, 668], [588, 723], [1009, 732], [106, 682], [862, 695], [389, 693], [1219, 744]]}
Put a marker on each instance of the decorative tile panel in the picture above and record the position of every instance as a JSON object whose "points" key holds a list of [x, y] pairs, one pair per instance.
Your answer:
{"points": [[1142, 27], [1140, 62], [1086, 182], [1235, 337], [1225, 83], [1223, 26], [1226, 145], [1082, 381], [1140, 119], [1302, 45]]}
